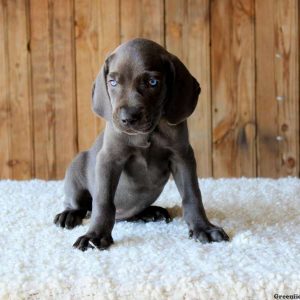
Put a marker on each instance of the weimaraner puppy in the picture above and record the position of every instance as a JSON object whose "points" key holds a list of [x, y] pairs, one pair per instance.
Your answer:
{"points": [[145, 94]]}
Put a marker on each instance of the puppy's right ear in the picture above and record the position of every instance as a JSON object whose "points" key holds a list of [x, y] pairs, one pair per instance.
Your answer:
{"points": [[100, 99]]}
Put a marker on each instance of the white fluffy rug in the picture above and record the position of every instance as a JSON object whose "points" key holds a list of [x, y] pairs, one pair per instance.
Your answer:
{"points": [[155, 260]]}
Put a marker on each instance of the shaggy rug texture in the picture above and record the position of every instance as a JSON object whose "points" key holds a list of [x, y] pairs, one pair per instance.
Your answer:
{"points": [[155, 260]]}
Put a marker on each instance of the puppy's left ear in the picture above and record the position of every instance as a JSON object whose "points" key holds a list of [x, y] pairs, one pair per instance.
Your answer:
{"points": [[100, 99], [183, 92]]}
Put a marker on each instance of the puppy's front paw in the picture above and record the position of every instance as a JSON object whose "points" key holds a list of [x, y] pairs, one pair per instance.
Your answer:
{"points": [[208, 234], [92, 240]]}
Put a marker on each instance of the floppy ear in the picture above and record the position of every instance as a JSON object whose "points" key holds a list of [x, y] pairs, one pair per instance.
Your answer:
{"points": [[183, 92], [100, 99]]}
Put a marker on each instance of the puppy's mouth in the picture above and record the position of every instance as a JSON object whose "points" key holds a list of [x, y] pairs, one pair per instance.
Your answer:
{"points": [[134, 130]]}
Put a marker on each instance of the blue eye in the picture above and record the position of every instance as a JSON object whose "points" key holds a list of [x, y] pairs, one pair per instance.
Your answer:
{"points": [[153, 82], [113, 82]]}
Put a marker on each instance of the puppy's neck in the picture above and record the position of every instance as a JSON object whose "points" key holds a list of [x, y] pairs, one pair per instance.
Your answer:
{"points": [[140, 140]]}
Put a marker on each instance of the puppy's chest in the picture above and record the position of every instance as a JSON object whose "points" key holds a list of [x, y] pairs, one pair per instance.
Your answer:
{"points": [[150, 161]]}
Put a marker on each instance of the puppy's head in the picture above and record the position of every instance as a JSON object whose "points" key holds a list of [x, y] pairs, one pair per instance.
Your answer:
{"points": [[140, 83]]}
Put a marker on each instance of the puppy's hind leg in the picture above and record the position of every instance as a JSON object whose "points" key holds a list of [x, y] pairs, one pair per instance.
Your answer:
{"points": [[151, 214], [78, 200], [73, 214]]}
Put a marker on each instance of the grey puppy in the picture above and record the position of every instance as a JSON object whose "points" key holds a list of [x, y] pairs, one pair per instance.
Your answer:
{"points": [[145, 94]]}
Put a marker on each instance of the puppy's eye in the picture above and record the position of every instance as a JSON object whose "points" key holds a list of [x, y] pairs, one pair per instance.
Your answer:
{"points": [[113, 82], [153, 82]]}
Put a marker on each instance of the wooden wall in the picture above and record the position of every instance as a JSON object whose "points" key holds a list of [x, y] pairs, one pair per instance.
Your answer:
{"points": [[245, 54]]}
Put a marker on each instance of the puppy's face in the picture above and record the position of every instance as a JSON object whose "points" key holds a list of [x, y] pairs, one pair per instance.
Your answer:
{"points": [[139, 83], [136, 80]]}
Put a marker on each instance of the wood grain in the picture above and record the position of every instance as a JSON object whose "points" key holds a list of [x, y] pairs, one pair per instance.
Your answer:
{"points": [[64, 85], [87, 65], [244, 53], [277, 97], [109, 33], [287, 84], [97, 34], [176, 38], [188, 37], [53, 86], [4, 95], [21, 145], [43, 87], [199, 65], [233, 88], [142, 18]]}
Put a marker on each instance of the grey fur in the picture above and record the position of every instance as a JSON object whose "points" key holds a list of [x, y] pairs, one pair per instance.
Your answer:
{"points": [[144, 141]]}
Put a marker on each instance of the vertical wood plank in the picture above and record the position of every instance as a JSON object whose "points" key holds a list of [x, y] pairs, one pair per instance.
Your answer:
{"points": [[233, 88], [199, 65], [109, 33], [266, 105], [97, 34], [4, 95], [287, 83], [143, 18], [176, 18], [188, 37], [43, 93], [53, 85], [41, 121], [64, 85], [87, 65], [277, 98], [21, 156]]}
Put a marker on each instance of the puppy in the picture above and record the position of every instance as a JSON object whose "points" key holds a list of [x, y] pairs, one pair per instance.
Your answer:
{"points": [[145, 94]]}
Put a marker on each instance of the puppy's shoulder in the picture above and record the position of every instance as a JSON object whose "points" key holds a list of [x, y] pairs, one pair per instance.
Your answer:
{"points": [[172, 136]]}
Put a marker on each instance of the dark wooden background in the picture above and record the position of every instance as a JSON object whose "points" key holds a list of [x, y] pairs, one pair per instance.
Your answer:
{"points": [[245, 54]]}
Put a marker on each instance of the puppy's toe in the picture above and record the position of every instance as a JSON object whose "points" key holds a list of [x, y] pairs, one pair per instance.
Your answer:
{"points": [[199, 236], [68, 219], [92, 241], [60, 219], [82, 243], [219, 235], [208, 234], [72, 221], [152, 214]]}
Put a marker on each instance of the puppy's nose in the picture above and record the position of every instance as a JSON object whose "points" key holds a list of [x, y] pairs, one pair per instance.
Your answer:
{"points": [[130, 115]]}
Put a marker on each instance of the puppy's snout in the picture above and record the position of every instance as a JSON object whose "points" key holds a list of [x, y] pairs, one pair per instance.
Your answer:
{"points": [[130, 115]]}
